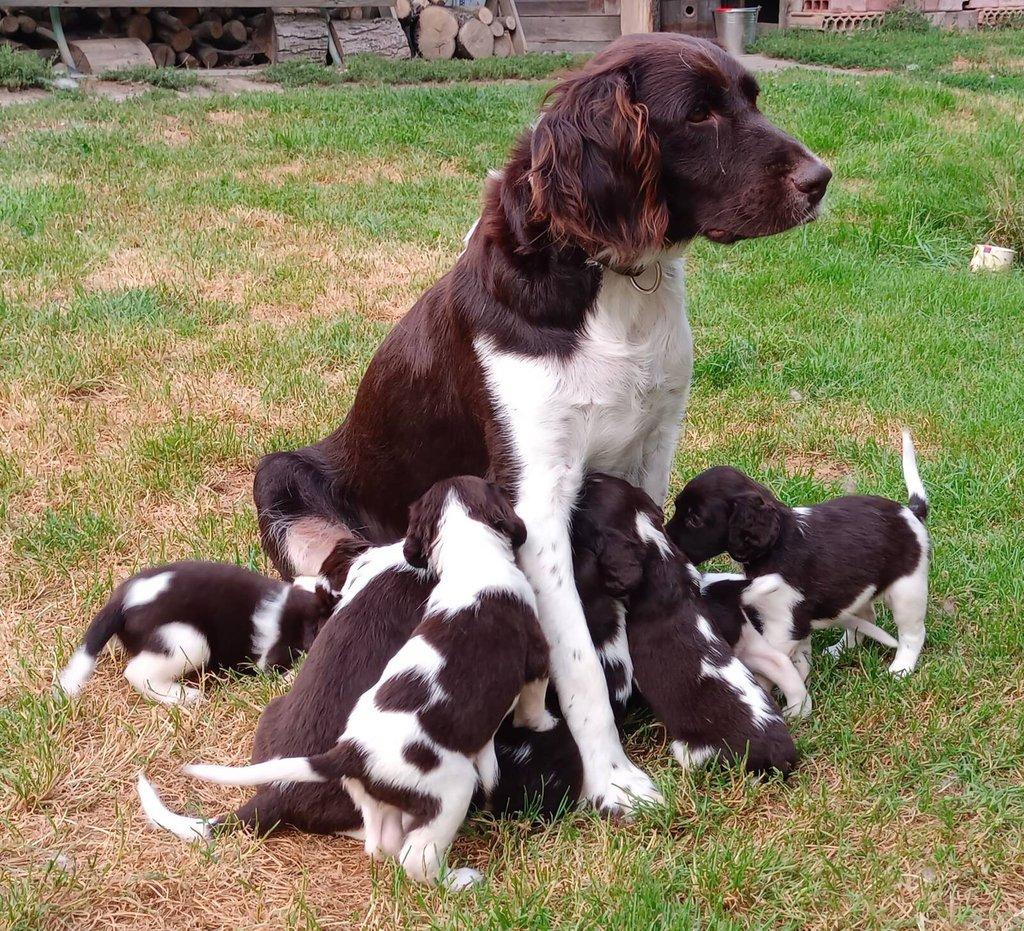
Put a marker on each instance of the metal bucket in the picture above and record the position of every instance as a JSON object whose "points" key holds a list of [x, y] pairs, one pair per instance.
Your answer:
{"points": [[736, 28]]}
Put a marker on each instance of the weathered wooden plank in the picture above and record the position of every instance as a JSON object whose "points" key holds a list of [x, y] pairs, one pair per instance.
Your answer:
{"points": [[600, 28], [566, 45], [639, 16], [212, 4]]}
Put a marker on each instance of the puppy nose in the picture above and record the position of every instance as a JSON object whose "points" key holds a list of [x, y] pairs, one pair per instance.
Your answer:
{"points": [[812, 178]]}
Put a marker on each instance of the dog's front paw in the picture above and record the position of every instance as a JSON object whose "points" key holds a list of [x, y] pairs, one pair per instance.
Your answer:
{"points": [[624, 789], [798, 709], [462, 878]]}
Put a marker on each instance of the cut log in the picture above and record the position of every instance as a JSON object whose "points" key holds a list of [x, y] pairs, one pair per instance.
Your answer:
{"points": [[474, 39], [403, 9], [94, 56], [510, 23], [208, 56], [189, 15], [9, 25], [26, 24], [497, 29], [163, 54], [356, 13], [294, 35], [172, 31], [436, 30], [209, 30], [485, 16], [187, 60], [383, 37], [234, 31], [138, 27], [503, 46]]}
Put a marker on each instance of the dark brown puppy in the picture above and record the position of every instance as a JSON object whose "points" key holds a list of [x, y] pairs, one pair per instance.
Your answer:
{"points": [[815, 566], [706, 698], [708, 705], [189, 616]]}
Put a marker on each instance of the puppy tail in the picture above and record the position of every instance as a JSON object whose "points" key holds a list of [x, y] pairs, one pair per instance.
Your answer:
{"points": [[108, 622], [918, 498], [160, 816], [341, 761]]}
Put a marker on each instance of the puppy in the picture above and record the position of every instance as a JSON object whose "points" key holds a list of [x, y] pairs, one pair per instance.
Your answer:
{"points": [[417, 742], [706, 698], [815, 566], [189, 616]]}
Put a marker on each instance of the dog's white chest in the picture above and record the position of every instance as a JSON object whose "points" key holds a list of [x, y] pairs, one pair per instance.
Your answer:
{"points": [[628, 377]]}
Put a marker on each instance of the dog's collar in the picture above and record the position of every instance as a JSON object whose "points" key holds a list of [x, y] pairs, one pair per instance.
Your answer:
{"points": [[637, 274]]}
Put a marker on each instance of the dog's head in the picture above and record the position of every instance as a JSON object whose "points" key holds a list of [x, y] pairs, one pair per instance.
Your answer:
{"points": [[620, 527], [658, 140], [334, 569], [723, 510], [311, 604], [474, 498]]}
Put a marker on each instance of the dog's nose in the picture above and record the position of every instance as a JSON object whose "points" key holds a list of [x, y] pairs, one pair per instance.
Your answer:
{"points": [[812, 178]]}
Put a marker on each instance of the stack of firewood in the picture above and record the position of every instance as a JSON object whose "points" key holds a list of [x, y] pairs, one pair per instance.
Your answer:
{"points": [[189, 37], [439, 31]]}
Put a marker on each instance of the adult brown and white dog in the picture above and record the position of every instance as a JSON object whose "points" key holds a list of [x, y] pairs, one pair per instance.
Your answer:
{"points": [[559, 341]]}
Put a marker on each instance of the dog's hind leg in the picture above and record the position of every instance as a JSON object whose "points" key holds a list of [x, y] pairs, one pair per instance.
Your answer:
{"points": [[174, 650], [426, 845], [908, 600], [761, 658]]}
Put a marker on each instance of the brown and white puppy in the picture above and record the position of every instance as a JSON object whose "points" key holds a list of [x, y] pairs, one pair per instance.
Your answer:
{"points": [[706, 698], [189, 616], [655, 626], [815, 566], [558, 344], [418, 741]]}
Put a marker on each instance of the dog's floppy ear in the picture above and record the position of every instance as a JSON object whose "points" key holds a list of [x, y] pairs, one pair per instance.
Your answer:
{"points": [[338, 562], [503, 518], [621, 560], [754, 526], [595, 174], [423, 519]]}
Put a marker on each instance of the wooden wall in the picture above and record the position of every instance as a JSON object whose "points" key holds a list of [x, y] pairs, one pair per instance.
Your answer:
{"points": [[570, 25]]}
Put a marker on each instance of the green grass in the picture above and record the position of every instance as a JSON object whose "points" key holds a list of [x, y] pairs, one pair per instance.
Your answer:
{"points": [[174, 79], [988, 60], [188, 283], [21, 70], [375, 69]]}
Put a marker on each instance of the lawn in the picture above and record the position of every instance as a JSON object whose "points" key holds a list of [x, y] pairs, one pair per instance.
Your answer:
{"points": [[985, 60], [188, 283]]}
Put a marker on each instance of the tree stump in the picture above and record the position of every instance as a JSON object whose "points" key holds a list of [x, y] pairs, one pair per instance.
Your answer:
{"points": [[503, 46]]}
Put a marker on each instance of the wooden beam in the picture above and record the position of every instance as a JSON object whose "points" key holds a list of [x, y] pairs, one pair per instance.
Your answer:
{"points": [[638, 16]]}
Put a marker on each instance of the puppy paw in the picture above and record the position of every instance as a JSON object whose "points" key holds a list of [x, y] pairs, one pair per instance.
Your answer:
{"points": [[462, 878], [797, 710], [626, 789]]}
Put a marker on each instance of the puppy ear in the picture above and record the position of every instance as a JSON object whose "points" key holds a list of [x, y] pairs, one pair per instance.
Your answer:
{"points": [[338, 562], [419, 537], [754, 526], [503, 518], [621, 560], [595, 175]]}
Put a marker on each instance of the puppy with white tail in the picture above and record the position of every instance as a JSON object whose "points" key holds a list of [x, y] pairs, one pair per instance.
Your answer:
{"points": [[818, 566], [189, 616], [420, 739]]}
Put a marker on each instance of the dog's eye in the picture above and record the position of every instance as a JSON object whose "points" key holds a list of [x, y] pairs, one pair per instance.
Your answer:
{"points": [[699, 114]]}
